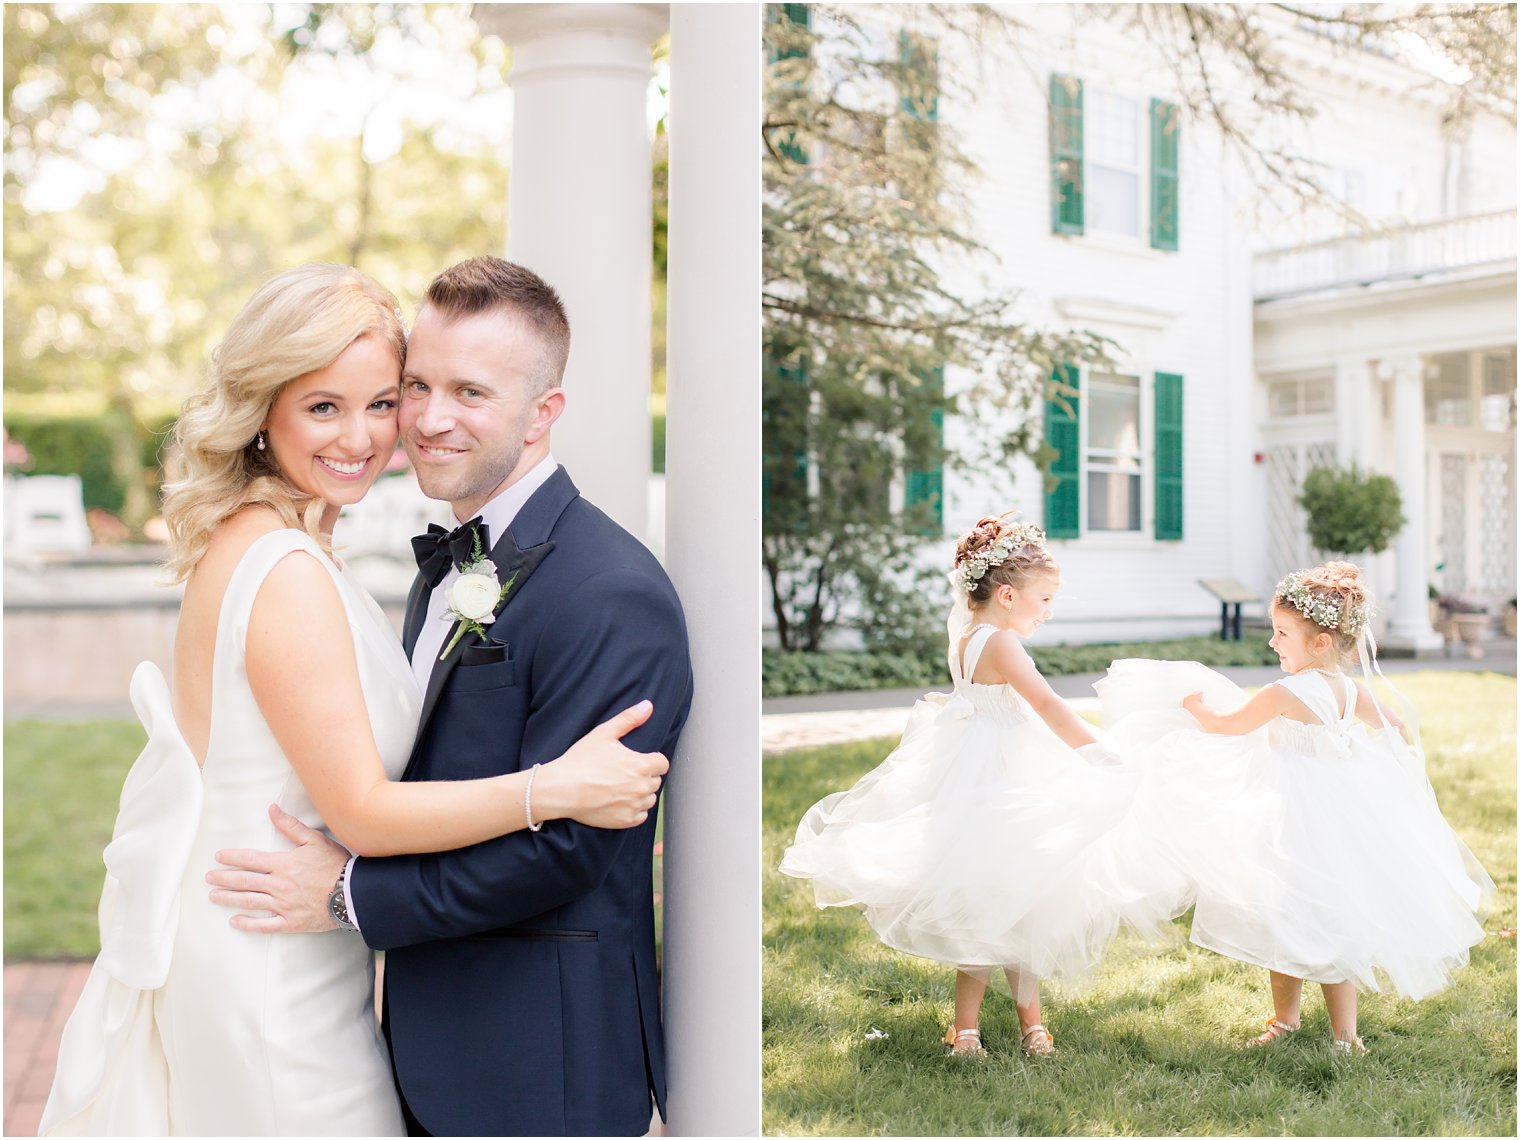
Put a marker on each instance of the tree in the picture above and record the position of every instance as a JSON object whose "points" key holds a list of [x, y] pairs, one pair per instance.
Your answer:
{"points": [[1350, 512], [863, 221], [1233, 72]]}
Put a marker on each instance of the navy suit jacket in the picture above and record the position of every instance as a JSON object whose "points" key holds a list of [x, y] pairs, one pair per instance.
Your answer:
{"points": [[521, 996]]}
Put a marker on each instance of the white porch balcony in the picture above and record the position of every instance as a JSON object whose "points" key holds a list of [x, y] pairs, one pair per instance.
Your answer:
{"points": [[1452, 245]]}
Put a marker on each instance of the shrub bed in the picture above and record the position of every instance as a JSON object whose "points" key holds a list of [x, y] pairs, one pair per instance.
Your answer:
{"points": [[792, 674]]}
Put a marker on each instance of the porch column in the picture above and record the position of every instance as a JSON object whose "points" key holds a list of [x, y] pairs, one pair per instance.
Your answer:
{"points": [[1358, 429], [578, 214], [712, 834], [1409, 628], [1355, 409]]}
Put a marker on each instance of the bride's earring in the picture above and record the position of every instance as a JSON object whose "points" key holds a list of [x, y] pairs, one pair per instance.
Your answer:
{"points": [[260, 438]]}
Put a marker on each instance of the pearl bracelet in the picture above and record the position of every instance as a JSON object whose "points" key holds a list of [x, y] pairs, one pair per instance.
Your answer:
{"points": [[528, 800]]}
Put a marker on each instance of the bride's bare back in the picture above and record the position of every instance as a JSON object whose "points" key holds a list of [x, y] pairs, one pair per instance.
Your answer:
{"points": [[195, 639]]}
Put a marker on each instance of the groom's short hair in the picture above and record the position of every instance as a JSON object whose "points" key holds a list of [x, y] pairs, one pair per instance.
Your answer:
{"points": [[482, 284]]}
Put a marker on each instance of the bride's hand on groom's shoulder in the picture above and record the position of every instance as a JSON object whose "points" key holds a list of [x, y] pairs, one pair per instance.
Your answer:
{"points": [[289, 887], [600, 781]]}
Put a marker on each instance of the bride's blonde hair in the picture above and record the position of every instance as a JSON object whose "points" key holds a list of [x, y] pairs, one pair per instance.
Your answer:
{"points": [[295, 323]]}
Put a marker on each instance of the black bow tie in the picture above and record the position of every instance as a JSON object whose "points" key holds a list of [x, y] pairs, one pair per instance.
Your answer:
{"points": [[438, 550]]}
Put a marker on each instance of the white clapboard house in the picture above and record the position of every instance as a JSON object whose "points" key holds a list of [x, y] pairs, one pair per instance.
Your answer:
{"points": [[1256, 341]]}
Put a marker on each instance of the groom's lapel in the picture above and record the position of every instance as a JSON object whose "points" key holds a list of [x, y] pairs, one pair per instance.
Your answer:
{"points": [[519, 551], [416, 614]]}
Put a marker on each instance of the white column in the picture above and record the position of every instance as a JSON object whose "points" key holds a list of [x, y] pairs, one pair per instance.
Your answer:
{"points": [[712, 832], [1409, 629], [1353, 411], [578, 214]]}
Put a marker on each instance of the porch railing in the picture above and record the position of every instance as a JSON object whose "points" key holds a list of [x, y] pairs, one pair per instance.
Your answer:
{"points": [[1407, 252]]}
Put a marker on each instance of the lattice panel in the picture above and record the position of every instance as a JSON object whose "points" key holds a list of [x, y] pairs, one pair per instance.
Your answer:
{"points": [[1496, 502], [1317, 455], [1453, 542], [1287, 533]]}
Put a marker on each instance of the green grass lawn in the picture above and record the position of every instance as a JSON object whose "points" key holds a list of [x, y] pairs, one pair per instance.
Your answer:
{"points": [[1152, 1046], [62, 785]]}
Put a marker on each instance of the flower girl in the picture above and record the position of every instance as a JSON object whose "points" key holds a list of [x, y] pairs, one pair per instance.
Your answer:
{"points": [[1327, 858], [988, 838]]}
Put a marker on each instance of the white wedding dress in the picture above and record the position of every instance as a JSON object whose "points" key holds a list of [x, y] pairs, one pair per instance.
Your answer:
{"points": [[187, 1026], [984, 841], [1316, 850]]}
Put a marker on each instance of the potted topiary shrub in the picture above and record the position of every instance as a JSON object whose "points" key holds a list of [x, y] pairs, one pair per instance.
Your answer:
{"points": [[1350, 512]]}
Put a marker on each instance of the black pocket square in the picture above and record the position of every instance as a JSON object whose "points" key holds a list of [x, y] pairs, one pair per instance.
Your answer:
{"points": [[488, 654]]}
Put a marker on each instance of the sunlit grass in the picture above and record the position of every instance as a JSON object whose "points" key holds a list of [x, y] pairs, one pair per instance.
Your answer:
{"points": [[1152, 1047], [62, 787]]}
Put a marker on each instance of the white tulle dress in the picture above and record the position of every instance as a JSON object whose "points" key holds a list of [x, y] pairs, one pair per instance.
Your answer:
{"points": [[1316, 850], [983, 841], [187, 1026]]}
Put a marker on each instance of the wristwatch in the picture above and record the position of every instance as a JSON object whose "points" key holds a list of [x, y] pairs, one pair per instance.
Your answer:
{"points": [[337, 905]]}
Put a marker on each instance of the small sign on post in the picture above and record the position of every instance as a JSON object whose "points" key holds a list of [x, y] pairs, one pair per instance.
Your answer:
{"points": [[1230, 593]]}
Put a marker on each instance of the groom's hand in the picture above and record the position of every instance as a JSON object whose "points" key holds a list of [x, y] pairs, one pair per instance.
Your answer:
{"points": [[293, 885]]}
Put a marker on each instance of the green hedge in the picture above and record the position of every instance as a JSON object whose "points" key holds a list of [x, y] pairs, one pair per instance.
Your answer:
{"points": [[787, 674], [77, 445]]}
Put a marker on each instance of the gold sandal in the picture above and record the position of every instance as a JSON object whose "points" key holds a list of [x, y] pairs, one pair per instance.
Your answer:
{"points": [[954, 1037], [1348, 1046], [1276, 1031], [1037, 1041]]}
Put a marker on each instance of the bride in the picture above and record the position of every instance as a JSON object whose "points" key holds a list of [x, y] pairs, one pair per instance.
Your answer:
{"points": [[290, 688]]}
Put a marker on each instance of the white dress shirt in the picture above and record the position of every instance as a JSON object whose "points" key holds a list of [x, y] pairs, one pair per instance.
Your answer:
{"points": [[497, 514]]}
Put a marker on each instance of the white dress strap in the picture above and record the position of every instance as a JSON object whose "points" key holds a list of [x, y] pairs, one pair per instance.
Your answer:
{"points": [[243, 587], [1314, 688], [229, 670], [980, 635]]}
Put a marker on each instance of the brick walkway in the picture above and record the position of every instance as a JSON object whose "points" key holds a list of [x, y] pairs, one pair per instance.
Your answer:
{"points": [[38, 999], [39, 996]]}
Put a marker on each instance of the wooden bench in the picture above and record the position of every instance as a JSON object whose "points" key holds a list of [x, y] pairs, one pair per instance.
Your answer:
{"points": [[1230, 593]]}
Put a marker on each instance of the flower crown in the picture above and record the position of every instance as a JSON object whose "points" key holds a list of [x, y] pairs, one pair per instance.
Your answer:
{"points": [[970, 572], [1331, 612]]}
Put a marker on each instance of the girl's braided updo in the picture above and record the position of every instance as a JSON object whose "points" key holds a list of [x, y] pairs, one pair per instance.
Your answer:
{"points": [[1331, 597], [1000, 552]]}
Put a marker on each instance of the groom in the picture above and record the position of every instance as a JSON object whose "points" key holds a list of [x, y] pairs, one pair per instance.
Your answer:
{"points": [[520, 989]]}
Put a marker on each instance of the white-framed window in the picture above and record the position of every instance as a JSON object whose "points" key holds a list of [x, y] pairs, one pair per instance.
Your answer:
{"points": [[1117, 459], [1471, 389], [1114, 458], [1306, 395], [1116, 163], [1496, 402]]}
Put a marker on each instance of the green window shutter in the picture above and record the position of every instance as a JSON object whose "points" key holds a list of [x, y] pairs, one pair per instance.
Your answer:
{"points": [[785, 416], [1166, 135], [1065, 154], [924, 482], [920, 86], [1063, 497], [798, 16], [1168, 456]]}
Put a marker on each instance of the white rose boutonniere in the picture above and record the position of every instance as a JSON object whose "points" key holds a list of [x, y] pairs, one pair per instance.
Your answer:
{"points": [[475, 597]]}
